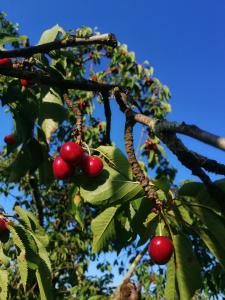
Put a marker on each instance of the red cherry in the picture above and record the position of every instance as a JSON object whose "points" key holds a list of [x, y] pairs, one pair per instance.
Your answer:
{"points": [[10, 139], [92, 165], [6, 62], [24, 82], [61, 168], [4, 225], [71, 152], [4, 230], [160, 249]]}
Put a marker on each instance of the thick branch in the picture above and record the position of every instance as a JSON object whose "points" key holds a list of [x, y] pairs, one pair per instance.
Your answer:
{"points": [[103, 39], [194, 132], [190, 160], [38, 77]]}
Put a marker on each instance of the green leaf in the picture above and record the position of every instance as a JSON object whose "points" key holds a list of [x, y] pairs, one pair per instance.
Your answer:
{"points": [[76, 205], [103, 228], [50, 35], [23, 268], [109, 187], [11, 39], [150, 218], [4, 284], [117, 160], [188, 270], [28, 159], [44, 282], [213, 222], [171, 288], [23, 215], [212, 245], [51, 113], [190, 189], [21, 259], [3, 258]]}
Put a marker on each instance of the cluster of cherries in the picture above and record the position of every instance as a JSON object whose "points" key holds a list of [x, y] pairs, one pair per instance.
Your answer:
{"points": [[160, 249], [7, 62], [72, 155]]}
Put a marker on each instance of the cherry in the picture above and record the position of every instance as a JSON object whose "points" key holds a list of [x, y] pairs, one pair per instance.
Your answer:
{"points": [[10, 139], [160, 249], [61, 168], [24, 82], [92, 165], [3, 225], [6, 62], [4, 230], [71, 152]]}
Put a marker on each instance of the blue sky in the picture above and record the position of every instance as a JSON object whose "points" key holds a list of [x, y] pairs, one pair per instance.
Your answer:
{"points": [[183, 40]]}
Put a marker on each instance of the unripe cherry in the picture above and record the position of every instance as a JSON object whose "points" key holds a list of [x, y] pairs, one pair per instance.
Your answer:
{"points": [[92, 165], [160, 249], [61, 168], [71, 152]]}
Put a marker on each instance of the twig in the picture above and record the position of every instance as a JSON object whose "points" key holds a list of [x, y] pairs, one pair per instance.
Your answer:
{"points": [[78, 129], [36, 197], [103, 39], [116, 294], [108, 115]]}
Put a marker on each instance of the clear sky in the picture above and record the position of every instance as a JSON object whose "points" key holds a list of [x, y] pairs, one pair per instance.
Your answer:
{"points": [[183, 40]]}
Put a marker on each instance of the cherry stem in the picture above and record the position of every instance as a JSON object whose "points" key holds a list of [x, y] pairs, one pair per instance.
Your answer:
{"points": [[167, 223], [87, 148], [160, 228]]}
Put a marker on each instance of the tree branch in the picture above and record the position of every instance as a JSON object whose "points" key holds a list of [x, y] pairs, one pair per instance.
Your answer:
{"points": [[36, 198], [117, 293], [108, 115], [78, 129], [103, 39], [43, 78]]}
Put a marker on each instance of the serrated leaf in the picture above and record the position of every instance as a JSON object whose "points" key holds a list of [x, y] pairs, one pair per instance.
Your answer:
{"points": [[51, 113], [4, 284], [213, 222], [109, 187], [171, 289], [44, 282], [3, 258], [23, 215], [117, 159], [188, 270], [21, 259], [103, 228], [23, 268], [50, 35], [212, 245]]}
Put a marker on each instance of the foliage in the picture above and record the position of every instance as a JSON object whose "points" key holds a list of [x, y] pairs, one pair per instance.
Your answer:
{"points": [[60, 227]]}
